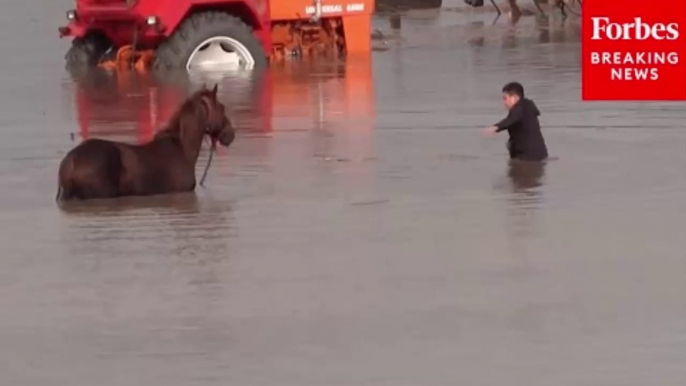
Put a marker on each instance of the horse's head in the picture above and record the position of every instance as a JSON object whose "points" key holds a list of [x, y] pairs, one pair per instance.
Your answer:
{"points": [[218, 124]]}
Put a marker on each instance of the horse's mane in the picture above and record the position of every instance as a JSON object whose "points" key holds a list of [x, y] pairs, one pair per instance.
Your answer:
{"points": [[173, 127]]}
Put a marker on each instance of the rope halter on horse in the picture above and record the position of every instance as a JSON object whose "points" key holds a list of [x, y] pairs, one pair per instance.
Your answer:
{"points": [[207, 105]]}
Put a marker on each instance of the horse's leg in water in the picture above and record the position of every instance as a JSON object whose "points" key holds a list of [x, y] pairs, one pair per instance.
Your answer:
{"points": [[515, 12], [95, 171], [563, 8], [497, 9]]}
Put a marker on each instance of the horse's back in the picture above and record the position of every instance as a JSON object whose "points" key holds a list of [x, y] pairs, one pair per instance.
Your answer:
{"points": [[157, 167], [91, 170]]}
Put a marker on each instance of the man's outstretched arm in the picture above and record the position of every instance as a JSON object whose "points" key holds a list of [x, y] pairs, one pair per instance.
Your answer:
{"points": [[513, 117]]}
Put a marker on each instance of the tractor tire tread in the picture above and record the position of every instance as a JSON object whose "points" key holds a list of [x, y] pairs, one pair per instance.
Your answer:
{"points": [[174, 52], [85, 52]]}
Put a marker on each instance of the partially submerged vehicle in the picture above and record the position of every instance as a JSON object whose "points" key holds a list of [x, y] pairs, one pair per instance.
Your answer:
{"points": [[213, 34]]}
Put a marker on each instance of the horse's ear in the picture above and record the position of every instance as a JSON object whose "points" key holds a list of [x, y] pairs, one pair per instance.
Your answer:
{"points": [[214, 91]]}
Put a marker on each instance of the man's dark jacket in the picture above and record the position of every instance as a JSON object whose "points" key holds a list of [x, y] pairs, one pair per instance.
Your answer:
{"points": [[526, 140]]}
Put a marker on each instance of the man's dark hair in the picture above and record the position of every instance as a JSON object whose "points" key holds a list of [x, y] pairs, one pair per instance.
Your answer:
{"points": [[514, 88]]}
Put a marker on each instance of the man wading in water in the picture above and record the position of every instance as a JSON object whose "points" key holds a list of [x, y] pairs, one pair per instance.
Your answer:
{"points": [[526, 140]]}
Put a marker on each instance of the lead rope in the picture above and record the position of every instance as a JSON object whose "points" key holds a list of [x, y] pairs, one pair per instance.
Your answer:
{"points": [[213, 147], [209, 161]]}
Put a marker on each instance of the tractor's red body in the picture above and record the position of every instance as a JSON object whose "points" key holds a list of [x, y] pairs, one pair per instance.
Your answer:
{"points": [[278, 28], [120, 19]]}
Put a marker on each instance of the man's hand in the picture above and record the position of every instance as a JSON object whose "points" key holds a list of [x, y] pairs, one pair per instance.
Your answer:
{"points": [[490, 131]]}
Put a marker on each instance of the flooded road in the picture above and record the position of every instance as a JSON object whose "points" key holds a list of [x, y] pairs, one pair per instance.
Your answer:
{"points": [[359, 231]]}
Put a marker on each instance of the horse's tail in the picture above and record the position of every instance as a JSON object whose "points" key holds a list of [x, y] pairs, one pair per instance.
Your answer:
{"points": [[64, 191], [65, 179]]}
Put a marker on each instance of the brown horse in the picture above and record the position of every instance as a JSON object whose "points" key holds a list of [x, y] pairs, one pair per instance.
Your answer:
{"points": [[105, 169]]}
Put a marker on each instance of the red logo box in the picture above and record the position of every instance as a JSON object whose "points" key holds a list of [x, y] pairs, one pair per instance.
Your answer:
{"points": [[634, 50]]}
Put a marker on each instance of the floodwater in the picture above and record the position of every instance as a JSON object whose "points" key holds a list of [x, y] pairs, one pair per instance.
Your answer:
{"points": [[359, 231]]}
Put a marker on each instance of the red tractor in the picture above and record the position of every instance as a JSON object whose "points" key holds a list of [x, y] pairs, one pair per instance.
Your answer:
{"points": [[213, 34]]}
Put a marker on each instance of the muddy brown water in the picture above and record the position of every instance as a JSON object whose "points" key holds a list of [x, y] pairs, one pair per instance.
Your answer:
{"points": [[360, 231]]}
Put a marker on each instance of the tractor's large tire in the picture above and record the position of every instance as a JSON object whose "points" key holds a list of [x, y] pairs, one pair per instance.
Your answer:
{"points": [[174, 53], [86, 52]]}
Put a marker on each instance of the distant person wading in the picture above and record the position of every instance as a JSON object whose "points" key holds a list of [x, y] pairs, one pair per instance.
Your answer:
{"points": [[526, 140]]}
